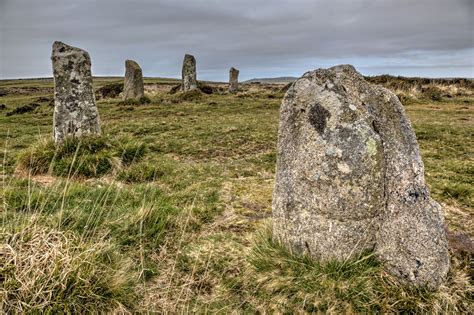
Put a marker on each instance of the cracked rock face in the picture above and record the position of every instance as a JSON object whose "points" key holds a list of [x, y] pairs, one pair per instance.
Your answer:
{"points": [[233, 79], [350, 178], [189, 73], [133, 84], [75, 110]]}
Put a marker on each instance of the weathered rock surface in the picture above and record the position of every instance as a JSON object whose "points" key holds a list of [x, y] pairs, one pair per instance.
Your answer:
{"points": [[233, 79], [133, 84], [350, 178], [75, 110], [189, 73]]}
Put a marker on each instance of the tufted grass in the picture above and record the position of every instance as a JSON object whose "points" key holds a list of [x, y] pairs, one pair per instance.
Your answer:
{"points": [[91, 156], [167, 211]]}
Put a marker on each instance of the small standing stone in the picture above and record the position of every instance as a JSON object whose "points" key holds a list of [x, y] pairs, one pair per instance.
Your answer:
{"points": [[189, 73], [75, 110], [350, 178], [133, 84], [233, 79]]}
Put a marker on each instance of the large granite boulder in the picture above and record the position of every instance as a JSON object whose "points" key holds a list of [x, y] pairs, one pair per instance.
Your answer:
{"points": [[233, 79], [75, 110], [133, 84], [350, 178], [189, 74]]}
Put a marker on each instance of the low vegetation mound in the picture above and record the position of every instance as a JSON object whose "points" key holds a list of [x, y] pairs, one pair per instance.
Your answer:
{"points": [[111, 90], [23, 109], [91, 156], [141, 101], [425, 88]]}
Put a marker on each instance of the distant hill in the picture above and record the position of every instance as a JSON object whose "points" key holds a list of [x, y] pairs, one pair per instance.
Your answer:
{"points": [[272, 80]]}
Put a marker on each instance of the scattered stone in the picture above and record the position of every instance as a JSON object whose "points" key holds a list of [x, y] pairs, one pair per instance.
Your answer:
{"points": [[233, 79], [75, 111], [133, 85], [350, 178], [23, 109], [189, 73]]}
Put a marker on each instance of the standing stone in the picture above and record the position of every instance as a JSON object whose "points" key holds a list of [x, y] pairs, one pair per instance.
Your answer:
{"points": [[133, 84], [350, 178], [189, 73], [75, 111], [233, 79]]}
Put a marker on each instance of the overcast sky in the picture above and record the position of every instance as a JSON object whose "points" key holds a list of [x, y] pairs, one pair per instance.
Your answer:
{"points": [[262, 38]]}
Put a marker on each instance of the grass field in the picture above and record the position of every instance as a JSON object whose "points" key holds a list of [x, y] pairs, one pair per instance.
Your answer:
{"points": [[169, 210]]}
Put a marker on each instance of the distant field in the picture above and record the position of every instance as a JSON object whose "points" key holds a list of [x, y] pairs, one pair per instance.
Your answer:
{"points": [[184, 226]]}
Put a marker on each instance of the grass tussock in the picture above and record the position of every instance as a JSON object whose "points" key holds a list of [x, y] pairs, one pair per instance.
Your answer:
{"points": [[294, 283], [189, 96], [50, 271], [91, 156]]}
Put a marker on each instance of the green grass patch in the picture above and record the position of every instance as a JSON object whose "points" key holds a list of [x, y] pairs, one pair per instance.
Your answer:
{"points": [[291, 283], [91, 156]]}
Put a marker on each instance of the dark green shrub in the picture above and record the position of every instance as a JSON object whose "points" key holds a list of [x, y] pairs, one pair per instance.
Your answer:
{"points": [[432, 93], [23, 109], [175, 89], [192, 95], [206, 89], [144, 100], [109, 91]]}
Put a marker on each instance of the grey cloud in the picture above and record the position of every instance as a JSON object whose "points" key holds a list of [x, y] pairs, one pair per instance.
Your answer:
{"points": [[262, 38]]}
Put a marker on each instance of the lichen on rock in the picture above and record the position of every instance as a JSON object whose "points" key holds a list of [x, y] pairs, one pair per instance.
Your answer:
{"points": [[133, 83], [233, 79], [75, 110], [189, 77], [350, 178]]}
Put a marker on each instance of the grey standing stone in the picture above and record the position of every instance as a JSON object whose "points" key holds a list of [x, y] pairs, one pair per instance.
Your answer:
{"points": [[133, 84], [350, 178], [233, 79], [75, 110], [189, 73]]}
